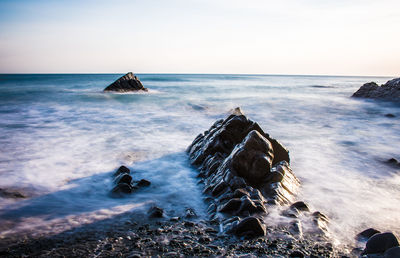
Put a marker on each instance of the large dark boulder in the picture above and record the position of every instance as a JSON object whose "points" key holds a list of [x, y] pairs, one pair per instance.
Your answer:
{"points": [[128, 82], [243, 169], [388, 91], [379, 243]]}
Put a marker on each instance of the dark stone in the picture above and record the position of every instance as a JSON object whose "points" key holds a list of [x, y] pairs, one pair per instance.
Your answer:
{"points": [[250, 227], [122, 170], [155, 212], [237, 183], [143, 183], [366, 234], [238, 193], [393, 252], [9, 193], [218, 188], [231, 206], [128, 82], [297, 254], [380, 242], [300, 206], [393, 162], [252, 158], [123, 178], [390, 115], [122, 188], [388, 91], [248, 205]]}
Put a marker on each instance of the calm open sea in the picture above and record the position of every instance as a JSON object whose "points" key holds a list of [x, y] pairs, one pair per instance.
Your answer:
{"points": [[61, 137]]}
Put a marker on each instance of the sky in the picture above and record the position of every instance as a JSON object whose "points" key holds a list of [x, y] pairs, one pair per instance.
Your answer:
{"points": [[321, 37]]}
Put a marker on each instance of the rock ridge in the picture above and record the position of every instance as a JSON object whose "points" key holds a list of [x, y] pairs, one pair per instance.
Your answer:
{"points": [[244, 170]]}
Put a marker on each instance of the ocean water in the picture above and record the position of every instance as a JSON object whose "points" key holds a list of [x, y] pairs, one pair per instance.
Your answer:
{"points": [[61, 138]]}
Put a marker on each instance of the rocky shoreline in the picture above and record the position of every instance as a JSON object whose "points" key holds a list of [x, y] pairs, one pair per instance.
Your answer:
{"points": [[253, 211], [130, 235]]}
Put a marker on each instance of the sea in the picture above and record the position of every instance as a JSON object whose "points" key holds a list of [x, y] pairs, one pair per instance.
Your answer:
{"points": [[62, 137]]}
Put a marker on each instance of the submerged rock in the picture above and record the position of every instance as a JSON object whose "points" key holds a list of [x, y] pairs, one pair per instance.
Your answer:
{"points": [[156, 212], [243, 169], [143, 183], [122, 188], [388, 91], [128, 82], [124, 183], [10, 193]]}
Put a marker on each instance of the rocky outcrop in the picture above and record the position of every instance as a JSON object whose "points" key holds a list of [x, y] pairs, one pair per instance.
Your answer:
{"points": [[128, 82], [388, 91], [244, 170]]}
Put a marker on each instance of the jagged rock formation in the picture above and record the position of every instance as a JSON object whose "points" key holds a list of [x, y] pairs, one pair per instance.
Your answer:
{"points": [[388, 91], [244, 170], [128, 82]]}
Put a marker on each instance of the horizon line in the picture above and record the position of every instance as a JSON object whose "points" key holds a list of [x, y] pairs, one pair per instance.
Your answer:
{"points": [[167, 73]]}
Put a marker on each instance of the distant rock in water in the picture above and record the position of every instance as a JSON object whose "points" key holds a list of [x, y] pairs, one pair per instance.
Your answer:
{"points": [[127, 83], [244, 170], [388, 91], [10, 193]]}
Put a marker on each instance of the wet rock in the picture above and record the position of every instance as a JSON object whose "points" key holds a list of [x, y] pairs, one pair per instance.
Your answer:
{"points": [[143, 183], [380, 242], [122, 188], [291, 213], [238, 193], [390, 115], [296, 228], [123, 178], [156, 212], [248, 206], [10, 193], [393, 252], [388, 91], [367, 234], [122, 170], [321, 221], [250, 227], [230, 206], [128, 82], [252, 158], [300, 206]]}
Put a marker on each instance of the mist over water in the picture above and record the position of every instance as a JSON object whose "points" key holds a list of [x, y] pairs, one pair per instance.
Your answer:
{"points": [[61, 138]]}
